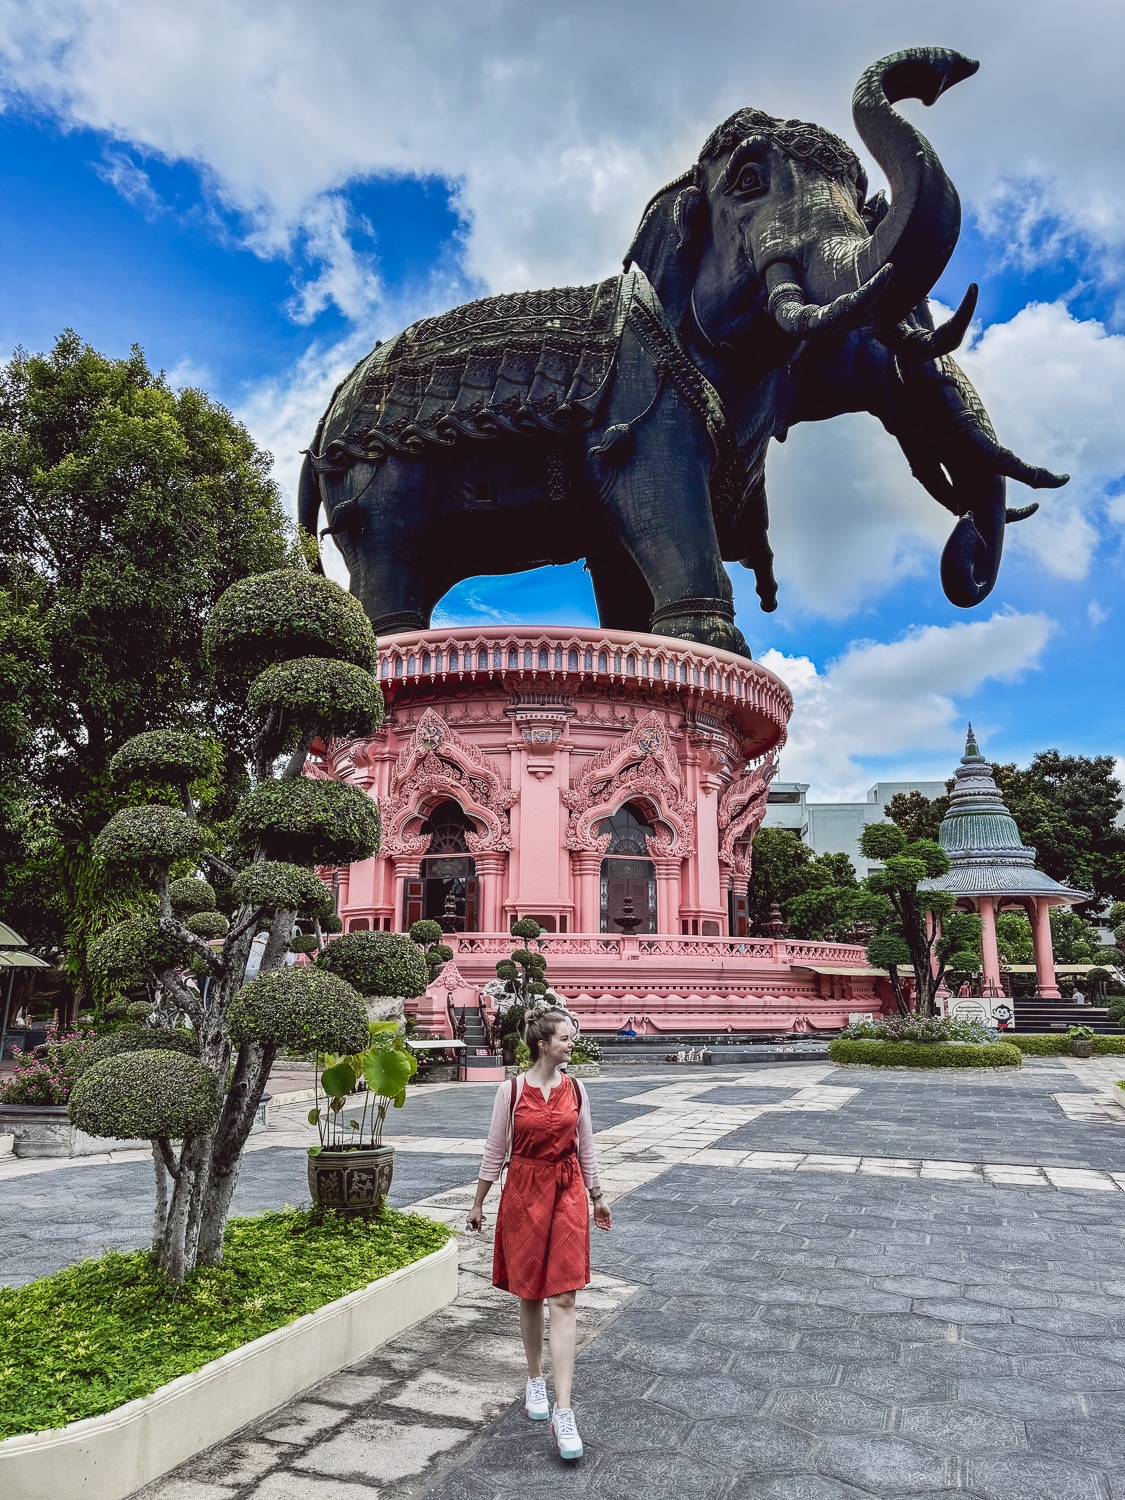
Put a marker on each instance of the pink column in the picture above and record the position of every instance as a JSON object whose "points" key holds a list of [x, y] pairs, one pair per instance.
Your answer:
{"points": [[588, 871], [989, 956], [1044, 952], [668, 896], [405, 869], [490, 871]]}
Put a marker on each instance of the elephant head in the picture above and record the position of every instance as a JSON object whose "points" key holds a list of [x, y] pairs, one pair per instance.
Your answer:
{"points": [[769, 255]]}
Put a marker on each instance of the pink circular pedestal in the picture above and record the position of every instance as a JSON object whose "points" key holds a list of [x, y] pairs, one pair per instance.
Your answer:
{"points": [[607, 784]]}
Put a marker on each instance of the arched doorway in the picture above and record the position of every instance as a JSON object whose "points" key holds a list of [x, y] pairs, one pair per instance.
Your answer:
{"points": [[627, 872], [448, 870]]}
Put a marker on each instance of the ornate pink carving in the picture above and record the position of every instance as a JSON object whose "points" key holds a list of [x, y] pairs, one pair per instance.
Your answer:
{"points": [[741, 810], [436, 763], [642, 767]]}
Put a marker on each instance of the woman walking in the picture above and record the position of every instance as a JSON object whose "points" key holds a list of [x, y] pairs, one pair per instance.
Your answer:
{"points": [[541, 1129]]}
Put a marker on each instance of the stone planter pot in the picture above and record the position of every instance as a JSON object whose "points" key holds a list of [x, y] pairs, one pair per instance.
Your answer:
{"points": [[351, 1182], [1082, 1049], [585, 1070], [45, 1130], [438, 1073]]}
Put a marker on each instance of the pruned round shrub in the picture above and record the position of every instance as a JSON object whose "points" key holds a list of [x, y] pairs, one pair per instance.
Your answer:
{"points": [[154, 836], [331, 923], [145, 1094], [311, 695], [190, 895], [272, 617], [300, 1009], [272, 885], [426, 931], [161, 756], [378, 963], [305, 943], [207, 924], [526, 928], [133, 951], [309, 822], [138, 1011], [137, 1038]]}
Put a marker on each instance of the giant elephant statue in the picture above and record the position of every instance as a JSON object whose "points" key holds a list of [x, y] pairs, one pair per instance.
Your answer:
{"points": [[627, 422]]}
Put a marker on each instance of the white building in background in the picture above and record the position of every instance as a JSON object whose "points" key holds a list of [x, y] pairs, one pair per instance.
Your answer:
{"points": [[835, 827]]}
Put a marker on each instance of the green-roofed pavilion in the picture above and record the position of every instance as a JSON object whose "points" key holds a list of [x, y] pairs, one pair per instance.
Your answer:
{"points": [[993, 870]]}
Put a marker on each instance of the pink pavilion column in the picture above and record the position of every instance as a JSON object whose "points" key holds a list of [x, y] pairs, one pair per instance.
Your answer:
{"points": [[668, 873], [989, 956], [406, 868], [588, 873], [491, 869], [1044, 952]]}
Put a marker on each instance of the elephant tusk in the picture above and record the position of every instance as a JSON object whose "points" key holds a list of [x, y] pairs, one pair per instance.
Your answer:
{"points": [[1003, 461], [916, 345], [1020, 512], [795, 315]]}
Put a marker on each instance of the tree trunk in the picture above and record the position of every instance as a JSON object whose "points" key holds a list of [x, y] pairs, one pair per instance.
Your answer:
{"points": [[251, 1073], [160, 1214], [173, 1253]]}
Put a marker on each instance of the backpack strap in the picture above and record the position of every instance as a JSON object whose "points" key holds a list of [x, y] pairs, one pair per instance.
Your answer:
{"points": [[511, 1126]]}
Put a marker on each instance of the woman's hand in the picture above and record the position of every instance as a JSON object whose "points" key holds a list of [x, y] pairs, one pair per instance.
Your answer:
{"points": [[475, 1221], [602, 1217]]}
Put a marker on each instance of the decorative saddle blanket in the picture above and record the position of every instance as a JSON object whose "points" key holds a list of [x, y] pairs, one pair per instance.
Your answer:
{"points": [[526, 363]]}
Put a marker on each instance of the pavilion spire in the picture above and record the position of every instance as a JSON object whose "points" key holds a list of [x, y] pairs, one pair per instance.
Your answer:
{"points": [[971, 748]]}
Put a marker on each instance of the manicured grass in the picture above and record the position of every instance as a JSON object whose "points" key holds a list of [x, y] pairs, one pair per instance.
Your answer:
{"points": [[105, 1331], [924, 1054], [1055, 1044]]}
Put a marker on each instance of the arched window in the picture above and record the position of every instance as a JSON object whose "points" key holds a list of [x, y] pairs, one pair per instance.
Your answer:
{"points": [[657, 668], [447, 888], [603, 664], [589, 661], [513, 657], [453, 658], [572, 662], [425, 661], [627, 831], [542, 658], [558, 658], [482, 661]]}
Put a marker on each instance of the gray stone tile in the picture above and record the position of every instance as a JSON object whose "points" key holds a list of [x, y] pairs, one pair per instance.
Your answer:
{"points": [[1093, 1441], [299, 1422], [831, 1411], [897, 1384], [1006, 1338], [848, 1344], [1028, 1477], [705, 1395], [765, 1368], [347, 1389], [631, 1426], [958, 1429], [372, 1448], [238, 1461], [795, 1487], [656, 1476], [750, 1444], [1063, 1320], [881, 1463], [290, 1486], [961, 1310], [955, 1360], [1075, 1372]]}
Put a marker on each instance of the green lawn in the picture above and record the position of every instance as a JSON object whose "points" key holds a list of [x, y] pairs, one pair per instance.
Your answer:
{"points": [[105, 1331]]}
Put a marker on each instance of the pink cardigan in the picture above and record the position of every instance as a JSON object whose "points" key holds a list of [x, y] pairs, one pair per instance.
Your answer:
{"points": [[498, 1147]]}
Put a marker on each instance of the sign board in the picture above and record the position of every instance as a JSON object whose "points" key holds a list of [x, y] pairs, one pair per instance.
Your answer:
{"points": [[991, 1010], [855, 1016]]}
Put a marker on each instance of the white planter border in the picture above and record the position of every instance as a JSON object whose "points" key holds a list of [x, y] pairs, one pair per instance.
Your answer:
{"points": [[111, 1456]]}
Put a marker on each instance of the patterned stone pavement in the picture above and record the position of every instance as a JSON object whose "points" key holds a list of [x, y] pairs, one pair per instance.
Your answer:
{"points": [[822, 1284]]}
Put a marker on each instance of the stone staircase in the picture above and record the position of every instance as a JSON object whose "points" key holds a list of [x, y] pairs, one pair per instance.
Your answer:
{"points": [[1038, 1015], [478, 1063]]}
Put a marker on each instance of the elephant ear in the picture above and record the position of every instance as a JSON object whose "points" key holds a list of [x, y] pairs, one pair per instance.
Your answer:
{"points": [[669, 243]]}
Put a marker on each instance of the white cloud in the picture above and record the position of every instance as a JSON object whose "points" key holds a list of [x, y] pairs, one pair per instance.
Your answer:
{"points": [[1096, 614], [896, 701], [555, 123]]}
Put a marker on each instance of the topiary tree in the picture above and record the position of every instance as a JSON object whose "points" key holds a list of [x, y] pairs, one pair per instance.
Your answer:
{"points": [[282, 826], [519, 979], [377, 963], [428, 935]]}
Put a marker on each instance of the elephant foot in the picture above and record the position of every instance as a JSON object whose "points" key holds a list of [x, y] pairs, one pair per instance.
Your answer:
{"points": [[710, 627]]}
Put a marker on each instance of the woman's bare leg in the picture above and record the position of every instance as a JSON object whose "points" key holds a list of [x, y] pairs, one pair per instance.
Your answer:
{"points": [[564, 1329], [531, 1331]]}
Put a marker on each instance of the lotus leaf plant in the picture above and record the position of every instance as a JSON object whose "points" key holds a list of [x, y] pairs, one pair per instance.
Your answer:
{"points": [[386, 1066]]}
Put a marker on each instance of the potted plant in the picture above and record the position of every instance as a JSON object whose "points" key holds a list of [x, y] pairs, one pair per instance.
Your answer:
{"points": [[350, 1171], [1081, 1040]]}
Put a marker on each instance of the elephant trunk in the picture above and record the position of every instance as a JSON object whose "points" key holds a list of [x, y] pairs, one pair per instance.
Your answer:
{"points": [[918, 233]]}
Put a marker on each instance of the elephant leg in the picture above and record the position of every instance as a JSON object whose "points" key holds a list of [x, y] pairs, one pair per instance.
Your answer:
{"points": [[623, 596], [657, 502], [377, 516]]}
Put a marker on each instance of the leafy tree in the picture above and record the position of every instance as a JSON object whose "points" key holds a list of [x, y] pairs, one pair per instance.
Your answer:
{"points": [[930, 943], [1066, 807], [1075, 940], [208, 1101], [1014, 939], [126, 510], [811, 889], [917, 815]]}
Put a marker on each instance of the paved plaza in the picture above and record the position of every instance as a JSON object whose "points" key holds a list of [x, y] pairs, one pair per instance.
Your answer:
{"points": [[821, 1284]]}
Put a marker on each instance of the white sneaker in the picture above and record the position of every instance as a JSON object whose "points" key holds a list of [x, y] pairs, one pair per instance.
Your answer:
{"points": [[565, 1429], [535, 1402]]}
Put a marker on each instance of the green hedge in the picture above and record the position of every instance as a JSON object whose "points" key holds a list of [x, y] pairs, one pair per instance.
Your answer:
{"points": [[925, 1054], [109, 1330], [1057, 1044]]}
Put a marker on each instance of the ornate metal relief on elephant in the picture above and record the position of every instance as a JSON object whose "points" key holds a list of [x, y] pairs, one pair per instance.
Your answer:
{"points": [[627, 423]]}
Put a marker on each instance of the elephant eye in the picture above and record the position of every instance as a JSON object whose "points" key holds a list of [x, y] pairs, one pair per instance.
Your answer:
{"points": [[749, 180]]}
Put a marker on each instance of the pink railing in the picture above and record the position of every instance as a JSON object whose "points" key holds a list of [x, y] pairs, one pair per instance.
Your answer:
{"points": [[781, 950]]}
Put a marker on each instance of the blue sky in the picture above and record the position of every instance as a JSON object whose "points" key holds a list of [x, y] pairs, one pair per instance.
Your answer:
{"points": [[244, 193]]}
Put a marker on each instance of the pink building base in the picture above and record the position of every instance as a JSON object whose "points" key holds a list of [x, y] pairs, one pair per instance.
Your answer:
{"points": [[609, 785]]}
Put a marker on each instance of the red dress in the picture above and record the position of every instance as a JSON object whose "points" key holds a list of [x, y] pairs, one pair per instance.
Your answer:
{"points": [[543, 1225]]}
